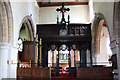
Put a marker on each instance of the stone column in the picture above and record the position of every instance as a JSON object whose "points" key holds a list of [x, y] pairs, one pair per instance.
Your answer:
{"points": [[4, 53], [118, 55], [116, 30], [12, 67]]}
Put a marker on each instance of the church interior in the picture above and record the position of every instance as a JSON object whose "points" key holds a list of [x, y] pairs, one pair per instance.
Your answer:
{"points": [[60, 39]]}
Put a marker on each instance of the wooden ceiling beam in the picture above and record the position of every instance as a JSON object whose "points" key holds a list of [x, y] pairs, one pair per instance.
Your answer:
{"points": [[51, 4]]}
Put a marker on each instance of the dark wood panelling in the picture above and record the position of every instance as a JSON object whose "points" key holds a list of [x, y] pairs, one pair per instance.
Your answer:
{"points": [[28, 51], [51, 32], [47, 30]]}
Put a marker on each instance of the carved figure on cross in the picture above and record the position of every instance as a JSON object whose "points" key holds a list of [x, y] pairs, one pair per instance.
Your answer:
{"points": [[63, 10]]}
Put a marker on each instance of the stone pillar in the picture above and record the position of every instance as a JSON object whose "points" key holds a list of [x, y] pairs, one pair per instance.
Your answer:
{"points": [[114, 49], [4, 53], [12, 67], [118, 55], [116, 30]]}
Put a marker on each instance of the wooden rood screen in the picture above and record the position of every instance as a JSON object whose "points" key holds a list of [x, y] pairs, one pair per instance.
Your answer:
{"points": [[58, 30], [58, 34]]}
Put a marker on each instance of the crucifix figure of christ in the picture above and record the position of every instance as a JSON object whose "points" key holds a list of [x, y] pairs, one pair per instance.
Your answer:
{"points": [[63, 10]]}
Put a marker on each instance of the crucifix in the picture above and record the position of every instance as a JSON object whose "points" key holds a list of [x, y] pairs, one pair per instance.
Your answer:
{"points": [[63, 10]]}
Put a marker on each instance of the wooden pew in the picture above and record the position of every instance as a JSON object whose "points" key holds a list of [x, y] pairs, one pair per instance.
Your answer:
{"points": [[94, 72], [34, 73]]}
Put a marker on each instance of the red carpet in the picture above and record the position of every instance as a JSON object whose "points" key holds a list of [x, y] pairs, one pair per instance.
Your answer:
{"points": [[63, 76]]}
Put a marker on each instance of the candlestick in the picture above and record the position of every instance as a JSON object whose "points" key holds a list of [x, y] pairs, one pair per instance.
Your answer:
{"points": [[57, 19], [68, 18]]}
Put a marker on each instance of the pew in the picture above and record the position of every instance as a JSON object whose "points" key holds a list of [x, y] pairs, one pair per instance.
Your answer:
{"points": [[94, 72], [33, 73]]}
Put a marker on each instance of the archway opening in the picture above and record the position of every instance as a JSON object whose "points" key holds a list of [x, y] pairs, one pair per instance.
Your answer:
{"points": [[25, 32], [24, 35], [103, 44], [25, 43]]}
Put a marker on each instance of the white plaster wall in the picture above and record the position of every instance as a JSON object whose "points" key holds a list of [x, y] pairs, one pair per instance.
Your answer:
{"points": [[19, 11], [106, 8], [12, 68], [78, 14]]}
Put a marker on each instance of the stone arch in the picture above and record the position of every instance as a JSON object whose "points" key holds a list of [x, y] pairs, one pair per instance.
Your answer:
{"points": [[6, 23], [30, 24], [99, 20]]}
